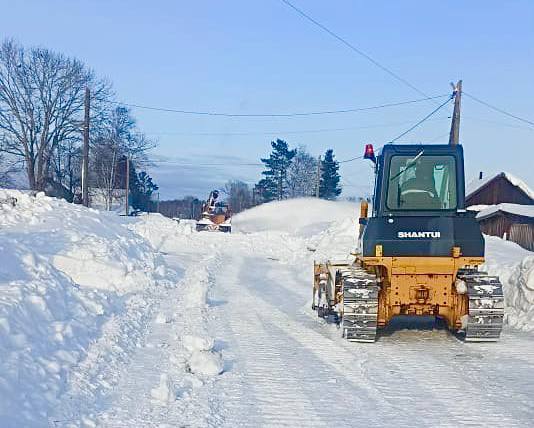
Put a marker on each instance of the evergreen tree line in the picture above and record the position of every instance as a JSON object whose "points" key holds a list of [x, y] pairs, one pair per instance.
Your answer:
{"points": [[295, 173]]}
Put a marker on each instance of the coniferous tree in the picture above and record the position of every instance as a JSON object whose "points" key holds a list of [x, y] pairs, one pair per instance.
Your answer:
{"points": [[274, 185], [141, 189], [329, 187]]}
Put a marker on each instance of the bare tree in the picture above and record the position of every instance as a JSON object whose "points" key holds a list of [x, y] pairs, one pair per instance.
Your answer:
{"points": [[41, 103], [302, 174], [239, 195], [116, 142]]}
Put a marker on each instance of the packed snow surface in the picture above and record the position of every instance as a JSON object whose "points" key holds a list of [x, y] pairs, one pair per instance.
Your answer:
{"points": [[108, 321]]}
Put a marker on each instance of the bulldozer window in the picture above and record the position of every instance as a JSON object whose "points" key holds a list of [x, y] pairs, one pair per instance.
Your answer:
{"points": [[429, 183]]}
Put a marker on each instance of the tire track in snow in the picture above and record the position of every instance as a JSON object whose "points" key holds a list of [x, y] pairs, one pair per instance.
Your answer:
{"points": [[281, 372]]}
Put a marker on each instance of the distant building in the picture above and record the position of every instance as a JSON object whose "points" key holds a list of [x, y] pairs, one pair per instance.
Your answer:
{"points": [[505, 206], [498, 189]]}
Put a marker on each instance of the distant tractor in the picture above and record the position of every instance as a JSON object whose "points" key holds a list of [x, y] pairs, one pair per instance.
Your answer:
{"points": [[418, 252], [216, 215]]}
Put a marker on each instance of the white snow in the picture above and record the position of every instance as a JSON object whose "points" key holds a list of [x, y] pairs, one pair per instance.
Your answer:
{"points": [[164, 392], [306, 216], [517, 209], [66, 273], [520, 183], [112, 321], [205, 363]]}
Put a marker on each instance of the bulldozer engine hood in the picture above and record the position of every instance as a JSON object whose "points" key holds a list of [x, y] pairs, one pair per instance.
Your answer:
{"points": [[423, 236]]}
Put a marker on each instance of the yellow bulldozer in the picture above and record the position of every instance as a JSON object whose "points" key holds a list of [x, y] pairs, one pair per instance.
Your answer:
{"points": [[419, 251]]}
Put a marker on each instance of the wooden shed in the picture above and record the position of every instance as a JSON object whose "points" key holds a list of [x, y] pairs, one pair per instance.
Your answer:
{"points": [[512, 222], [505, 206], [498, 189]]}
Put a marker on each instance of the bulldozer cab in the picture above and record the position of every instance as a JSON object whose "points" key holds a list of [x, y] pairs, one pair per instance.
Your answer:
{"points": [[419, 180], [419, 204]]}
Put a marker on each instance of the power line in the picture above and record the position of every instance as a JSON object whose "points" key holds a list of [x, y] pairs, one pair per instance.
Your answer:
{"points": [[282, 132], [423, 119], [407, 131], [500, 110], [178, 163], [354, 48], [498, 123], [350, 160], [297, 114]]}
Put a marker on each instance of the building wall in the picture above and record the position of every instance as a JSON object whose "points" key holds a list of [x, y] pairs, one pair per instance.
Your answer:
{"points": [[497, 191], [514, 228]]}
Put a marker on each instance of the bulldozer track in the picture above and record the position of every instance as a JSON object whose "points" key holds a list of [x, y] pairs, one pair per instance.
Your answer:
{"points": [[360, 305], [486, 306]]}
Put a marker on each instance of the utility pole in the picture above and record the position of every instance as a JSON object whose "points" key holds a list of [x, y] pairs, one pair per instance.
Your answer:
{"points": [[280, 186], [85, 161], [454, 136], [127, 185], [318, 179]]}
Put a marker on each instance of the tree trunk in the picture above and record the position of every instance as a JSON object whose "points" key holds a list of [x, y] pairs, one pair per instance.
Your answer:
{"points": [[30, 168]]}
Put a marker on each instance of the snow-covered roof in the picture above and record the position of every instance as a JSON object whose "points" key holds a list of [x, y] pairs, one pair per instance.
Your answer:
{"points": [[476, 184], [517, 209]]}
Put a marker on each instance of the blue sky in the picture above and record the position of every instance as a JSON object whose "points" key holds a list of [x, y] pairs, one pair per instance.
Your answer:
{"points": [[242, 56]]}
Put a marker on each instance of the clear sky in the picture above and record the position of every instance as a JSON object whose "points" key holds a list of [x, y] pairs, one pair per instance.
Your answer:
{"points": [[259, 56]]}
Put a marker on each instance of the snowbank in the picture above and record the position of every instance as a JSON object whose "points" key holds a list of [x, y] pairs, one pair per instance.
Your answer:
{"points": [[65, 274], [303, 217], [161, 231], [515, 268]]}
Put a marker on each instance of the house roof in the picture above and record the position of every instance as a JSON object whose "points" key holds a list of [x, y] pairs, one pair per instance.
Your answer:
{"points": [[516, 209], [475, 185]]}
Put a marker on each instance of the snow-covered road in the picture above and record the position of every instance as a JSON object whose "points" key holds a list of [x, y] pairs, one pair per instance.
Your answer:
{"points": [[145, 323], [285, 367], [296, 370]]}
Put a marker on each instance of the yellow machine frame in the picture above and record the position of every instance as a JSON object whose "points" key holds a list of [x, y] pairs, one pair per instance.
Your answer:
{"points": [[408, 285]]}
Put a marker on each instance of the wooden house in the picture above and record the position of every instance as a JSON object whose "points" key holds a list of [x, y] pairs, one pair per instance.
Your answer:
{"points": [[505, 206]]}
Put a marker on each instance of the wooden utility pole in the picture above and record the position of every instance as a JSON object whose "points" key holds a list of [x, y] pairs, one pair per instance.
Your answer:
{"points": [[85, 161], [318, 179], [454, 137], [127, 185]]}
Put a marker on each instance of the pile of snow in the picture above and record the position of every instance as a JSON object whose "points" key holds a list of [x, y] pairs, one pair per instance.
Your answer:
{"points": [[515, 267], [203, 360], [302, 217], [520, 297], [160, 231], [66, 272]]}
